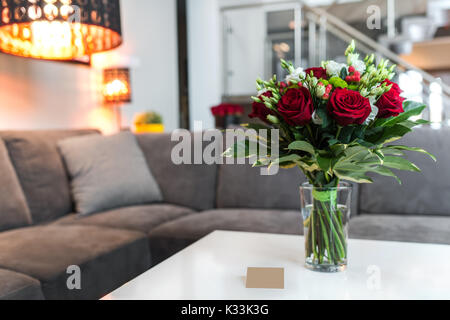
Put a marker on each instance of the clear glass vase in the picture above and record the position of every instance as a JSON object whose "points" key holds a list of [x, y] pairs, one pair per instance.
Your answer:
{"points": [[326, 213]]}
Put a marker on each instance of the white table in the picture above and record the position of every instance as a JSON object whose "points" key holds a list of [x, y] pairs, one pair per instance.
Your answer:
{"points": [[215, 268]]}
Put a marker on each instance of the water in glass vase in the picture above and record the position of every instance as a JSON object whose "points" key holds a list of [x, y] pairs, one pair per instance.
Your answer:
{"points": [[326, 213]]}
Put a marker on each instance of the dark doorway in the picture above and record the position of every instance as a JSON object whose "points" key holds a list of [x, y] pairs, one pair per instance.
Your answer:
{"points": [[183, 81]]}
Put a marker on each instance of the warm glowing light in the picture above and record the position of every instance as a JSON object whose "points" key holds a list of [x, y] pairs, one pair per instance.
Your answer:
{"points": [[436, 103], [116, 85], [103, 119], [56, 40], [59, 29], [115, 88]]}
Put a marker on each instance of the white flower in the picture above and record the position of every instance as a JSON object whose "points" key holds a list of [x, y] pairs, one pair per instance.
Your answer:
{"points": [[372, 115], [334, 68], [297, 75], [320, 91], [359, 66], [373, 100], [352, 58]]}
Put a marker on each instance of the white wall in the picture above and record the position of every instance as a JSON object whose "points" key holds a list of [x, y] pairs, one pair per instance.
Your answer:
{"points": [[206, 44], [245, 49], [41, 95], [204, 53]]}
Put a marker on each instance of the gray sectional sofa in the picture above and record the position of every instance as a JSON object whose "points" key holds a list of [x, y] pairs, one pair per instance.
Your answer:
{"points": [[44, 237]]}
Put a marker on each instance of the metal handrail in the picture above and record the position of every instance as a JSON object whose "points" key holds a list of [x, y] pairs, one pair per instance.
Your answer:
{"points": [[340, 25], [368, 42]]}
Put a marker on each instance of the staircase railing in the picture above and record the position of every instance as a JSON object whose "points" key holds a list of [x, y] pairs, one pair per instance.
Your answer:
{"points": [[322, 20], [338, 26]]}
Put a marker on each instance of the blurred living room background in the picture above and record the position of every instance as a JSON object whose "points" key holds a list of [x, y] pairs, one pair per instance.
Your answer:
{"points": [[116, 205], [186, 56]]}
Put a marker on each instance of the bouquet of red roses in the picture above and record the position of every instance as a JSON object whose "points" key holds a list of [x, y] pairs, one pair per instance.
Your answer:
{"points": [[334, 122]]}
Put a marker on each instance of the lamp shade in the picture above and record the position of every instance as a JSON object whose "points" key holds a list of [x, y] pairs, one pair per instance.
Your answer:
{"points": [[59, 29], [116, 85]]}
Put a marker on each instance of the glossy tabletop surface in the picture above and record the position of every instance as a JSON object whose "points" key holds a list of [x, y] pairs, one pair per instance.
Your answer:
{"points": [[215, 268]]}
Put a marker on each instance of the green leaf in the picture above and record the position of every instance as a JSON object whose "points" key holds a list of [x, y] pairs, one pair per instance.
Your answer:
{"points": [[358, 177], [414, 150], [388, 134], [359, 132], [379, 153], [289, 158], [240, 149], [302, 146], [261, 162], [392, 152], [371, 161], [350, 167], [323, 114], [411, 124], [410, 105], [324, 163], [400, 164], [346, 134], [385, 172], [343, 74], [356, 153], [422, 122], [411, 108], [309, 166], [338, 149]]}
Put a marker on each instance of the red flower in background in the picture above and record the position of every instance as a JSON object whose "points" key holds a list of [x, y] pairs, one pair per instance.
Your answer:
{"points": [[227, 109], [390, 104], [259, 110], [296, 106], [319, 73], [349, 107]]}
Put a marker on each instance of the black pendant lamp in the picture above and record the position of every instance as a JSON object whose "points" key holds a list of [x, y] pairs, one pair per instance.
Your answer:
{"points": [[59, 29]]}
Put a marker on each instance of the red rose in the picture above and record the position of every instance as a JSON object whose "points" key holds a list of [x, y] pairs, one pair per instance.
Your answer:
{"points": [[319, 73], [259, 110], [218, 111], [296, 106], [227, 109], [349, 107], [390, 104]]}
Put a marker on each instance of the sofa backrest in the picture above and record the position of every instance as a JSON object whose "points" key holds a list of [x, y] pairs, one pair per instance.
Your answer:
{"points": [[41, 171], [425, 193], [242, 186], [14, 212], [193, 186]]}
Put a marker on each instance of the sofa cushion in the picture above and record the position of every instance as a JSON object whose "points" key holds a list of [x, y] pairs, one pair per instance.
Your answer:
{"points": [[108, 172], [242, 186], [186, 185], [139, 218], [107, 257], [14, 211], [173, 236], [16, 286], [430, 229], [425, 193], [41, 171]]}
